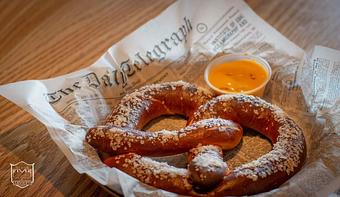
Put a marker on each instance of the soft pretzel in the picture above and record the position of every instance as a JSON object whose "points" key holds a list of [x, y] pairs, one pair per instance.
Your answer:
{"points": [[206, 170]]}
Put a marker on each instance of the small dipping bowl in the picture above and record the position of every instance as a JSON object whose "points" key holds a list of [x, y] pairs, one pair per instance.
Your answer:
{"points": [[256, 91]]}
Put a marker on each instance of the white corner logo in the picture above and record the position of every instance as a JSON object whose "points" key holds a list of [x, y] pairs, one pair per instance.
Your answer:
{"points": [[22, 174]]}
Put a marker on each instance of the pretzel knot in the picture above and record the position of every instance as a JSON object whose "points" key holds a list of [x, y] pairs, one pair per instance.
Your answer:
{"points": [[214, 125]]}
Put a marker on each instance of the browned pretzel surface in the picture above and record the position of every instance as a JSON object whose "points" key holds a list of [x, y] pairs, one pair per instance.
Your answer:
{"points": [[214, 124]]}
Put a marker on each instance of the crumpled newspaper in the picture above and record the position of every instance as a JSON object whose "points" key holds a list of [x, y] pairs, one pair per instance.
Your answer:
{"points": [[177, 45]]}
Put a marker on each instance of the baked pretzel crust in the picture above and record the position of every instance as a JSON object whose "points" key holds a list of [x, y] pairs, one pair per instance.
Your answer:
{"points": [[213, 125]]}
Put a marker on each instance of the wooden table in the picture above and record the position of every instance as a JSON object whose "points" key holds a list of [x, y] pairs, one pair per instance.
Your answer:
{"points": [[41, 39]]}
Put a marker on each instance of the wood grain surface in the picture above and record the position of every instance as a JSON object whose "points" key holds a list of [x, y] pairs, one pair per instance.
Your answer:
{"points": [[41, 39]]}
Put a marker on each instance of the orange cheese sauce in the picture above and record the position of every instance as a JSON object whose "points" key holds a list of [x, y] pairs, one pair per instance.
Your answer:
{"points": [[237, 76]]}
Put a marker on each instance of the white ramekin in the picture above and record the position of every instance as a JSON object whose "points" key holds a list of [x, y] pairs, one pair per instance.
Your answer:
{"points": [[258, 91]]}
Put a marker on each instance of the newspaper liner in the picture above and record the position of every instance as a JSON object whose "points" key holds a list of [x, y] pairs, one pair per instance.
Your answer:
{"points": [[178, 44]]}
